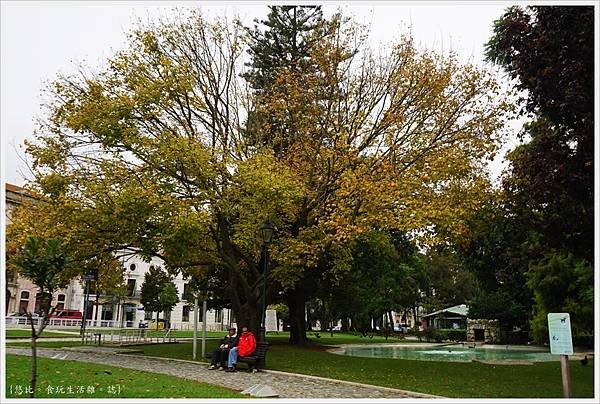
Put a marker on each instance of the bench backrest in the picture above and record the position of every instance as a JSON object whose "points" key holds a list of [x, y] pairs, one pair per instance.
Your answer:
{"points": [[261, 349]]}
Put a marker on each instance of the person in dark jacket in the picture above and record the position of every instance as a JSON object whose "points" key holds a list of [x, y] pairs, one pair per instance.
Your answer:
{"points": [[219, 356]]}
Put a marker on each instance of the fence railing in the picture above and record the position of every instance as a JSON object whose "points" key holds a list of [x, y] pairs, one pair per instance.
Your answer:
{"points": [[128, 336], [58, 322], [189, 326]]}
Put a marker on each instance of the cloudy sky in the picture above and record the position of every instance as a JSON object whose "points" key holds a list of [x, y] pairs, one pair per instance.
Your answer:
{"points": [[41, 39]]}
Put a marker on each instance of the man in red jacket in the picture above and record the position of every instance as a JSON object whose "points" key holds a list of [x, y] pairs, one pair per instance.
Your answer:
{"points": [[246, 345]]}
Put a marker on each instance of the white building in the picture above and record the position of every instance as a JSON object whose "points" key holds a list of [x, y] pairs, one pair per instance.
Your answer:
{"points": [[110, 312], [21, 293]]}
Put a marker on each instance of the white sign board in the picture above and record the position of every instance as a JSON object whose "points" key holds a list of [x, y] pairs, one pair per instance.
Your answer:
{"points": [[271, 320], [559, 327]]}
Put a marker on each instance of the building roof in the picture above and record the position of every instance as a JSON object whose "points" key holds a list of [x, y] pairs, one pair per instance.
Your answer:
{"points": [[16, 195], [461, 310], [14, 188]]}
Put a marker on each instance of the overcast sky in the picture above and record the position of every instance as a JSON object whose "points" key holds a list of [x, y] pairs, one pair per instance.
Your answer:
{"points": [[41, 39]]}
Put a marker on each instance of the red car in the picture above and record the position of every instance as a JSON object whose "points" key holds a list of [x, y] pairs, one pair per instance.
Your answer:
{"points": [[68, 315]]}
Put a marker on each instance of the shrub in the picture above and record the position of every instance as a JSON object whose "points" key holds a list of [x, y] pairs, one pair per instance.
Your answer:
{"points": [[586, 341], [453, 335], [432, 334], [440, 335]]}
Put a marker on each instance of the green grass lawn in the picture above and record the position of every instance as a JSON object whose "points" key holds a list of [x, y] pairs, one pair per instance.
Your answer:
{"points": [[107, 381], [450, 379], [25, 333]]}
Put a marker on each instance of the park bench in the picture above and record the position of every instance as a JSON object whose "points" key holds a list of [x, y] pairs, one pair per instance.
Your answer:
{"points": [[256, 360]]}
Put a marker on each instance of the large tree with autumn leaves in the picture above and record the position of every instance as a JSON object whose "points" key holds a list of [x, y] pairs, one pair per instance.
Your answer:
{"points": [[154, 154]]}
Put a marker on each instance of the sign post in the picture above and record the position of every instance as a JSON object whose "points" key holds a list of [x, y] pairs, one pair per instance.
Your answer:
{"points": [[204, 327], [271, 321], [561, 343], [90, 275], [195, 343]]}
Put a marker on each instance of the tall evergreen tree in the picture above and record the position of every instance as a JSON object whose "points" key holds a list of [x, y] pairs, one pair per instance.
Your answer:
{"points": [[280, 52], [285, 43]]}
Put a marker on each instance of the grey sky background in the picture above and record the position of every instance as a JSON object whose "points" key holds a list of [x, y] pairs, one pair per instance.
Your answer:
{"points": [[41, 39]]}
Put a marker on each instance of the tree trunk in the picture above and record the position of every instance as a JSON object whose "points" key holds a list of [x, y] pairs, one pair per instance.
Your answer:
{"points": [[33, 366], [34, 336], [46, 313], [345, 324], [324, 324], [248, 315], [97, 306], [297, 304], [416, 325]]}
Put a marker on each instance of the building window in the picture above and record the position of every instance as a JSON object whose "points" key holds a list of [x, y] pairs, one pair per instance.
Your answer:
{"points": [[130, 287], [60, 302], [148, 315], [8, 296], [107, 312], [187, 293], [218, 315], [129, 310], [24, 303], [185, 316], [132, 267], [38, 303]]}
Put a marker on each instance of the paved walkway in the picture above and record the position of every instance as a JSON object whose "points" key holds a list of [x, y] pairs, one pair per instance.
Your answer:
{"points": [[287, 385]]}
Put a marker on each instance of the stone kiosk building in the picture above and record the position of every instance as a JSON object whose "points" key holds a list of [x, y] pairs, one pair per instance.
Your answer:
{"points": [[456, 317], [449, 318], [480, 330]]}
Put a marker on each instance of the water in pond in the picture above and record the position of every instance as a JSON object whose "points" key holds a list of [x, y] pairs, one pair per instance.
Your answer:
{"points": [[451, 353]]}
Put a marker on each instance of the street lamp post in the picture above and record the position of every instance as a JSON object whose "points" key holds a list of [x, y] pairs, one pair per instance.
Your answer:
{"points": [[266, 231], [91, 275]]}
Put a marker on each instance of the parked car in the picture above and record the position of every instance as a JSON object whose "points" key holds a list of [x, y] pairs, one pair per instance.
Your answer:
{"points": [[68, 315], [403, 328], [20, 318], [34, 315]]}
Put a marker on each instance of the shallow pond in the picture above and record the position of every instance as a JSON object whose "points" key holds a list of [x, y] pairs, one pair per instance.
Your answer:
{"points": [[450, 353]]}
